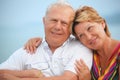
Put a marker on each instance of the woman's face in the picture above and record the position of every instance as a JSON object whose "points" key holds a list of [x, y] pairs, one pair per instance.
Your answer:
{"points": [[91, 34]]}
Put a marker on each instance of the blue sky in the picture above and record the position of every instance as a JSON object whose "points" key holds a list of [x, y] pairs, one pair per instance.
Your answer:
{"points": [[21, 20]]}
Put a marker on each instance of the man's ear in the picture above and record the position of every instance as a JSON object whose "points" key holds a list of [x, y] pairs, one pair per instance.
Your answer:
{"points": [[44, 20]]}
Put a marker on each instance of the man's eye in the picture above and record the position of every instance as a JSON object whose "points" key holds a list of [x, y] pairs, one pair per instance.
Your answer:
{"points": [[80, 35], [64, 23], [54, 20]]}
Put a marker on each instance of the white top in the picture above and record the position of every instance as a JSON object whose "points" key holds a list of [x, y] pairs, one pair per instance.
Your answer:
{"points": [[49, 63]]}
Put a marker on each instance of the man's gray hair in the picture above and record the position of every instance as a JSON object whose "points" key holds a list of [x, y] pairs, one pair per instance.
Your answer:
{"points": [[61, 3]]}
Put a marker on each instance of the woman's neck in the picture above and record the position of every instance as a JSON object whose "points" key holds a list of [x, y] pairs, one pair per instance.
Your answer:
{"points": [[108, 47], [106, 52]]}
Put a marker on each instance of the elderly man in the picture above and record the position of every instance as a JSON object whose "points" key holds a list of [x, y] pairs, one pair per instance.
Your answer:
{"points": [[55, 57]]}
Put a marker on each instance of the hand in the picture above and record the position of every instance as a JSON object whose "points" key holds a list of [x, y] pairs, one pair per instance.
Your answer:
{"points": [[82, 70], [34, 73], [32, 44]]}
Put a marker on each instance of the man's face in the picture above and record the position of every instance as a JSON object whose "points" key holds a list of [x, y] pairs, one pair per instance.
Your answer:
{"points": [[57, 23]]}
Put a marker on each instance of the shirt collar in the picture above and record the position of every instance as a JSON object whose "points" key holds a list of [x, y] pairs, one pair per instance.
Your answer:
{"points": [[46, 44]]}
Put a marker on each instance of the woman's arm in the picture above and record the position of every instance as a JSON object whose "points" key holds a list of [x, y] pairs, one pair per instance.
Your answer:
{"points": [[82, 70], [32, 44]]}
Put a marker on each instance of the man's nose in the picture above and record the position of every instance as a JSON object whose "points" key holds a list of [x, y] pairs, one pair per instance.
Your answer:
{"points": [[58, 25]]}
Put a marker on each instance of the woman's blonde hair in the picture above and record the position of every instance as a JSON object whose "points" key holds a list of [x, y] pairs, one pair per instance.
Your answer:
{"points": [[88, 14]]}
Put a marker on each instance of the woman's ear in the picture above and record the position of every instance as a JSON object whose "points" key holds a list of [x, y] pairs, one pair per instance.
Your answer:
{"points": [[103, 24]]}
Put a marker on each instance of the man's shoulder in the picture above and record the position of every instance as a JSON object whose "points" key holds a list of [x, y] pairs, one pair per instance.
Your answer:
{"points": [[74, 42], [76, 46], [19, 52]]}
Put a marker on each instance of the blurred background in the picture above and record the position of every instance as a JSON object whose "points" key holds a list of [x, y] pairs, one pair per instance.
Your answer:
{"points": [[21, 20]]}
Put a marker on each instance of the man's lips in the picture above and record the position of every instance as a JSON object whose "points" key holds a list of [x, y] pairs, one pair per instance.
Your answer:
{"points": [[55, 33]]}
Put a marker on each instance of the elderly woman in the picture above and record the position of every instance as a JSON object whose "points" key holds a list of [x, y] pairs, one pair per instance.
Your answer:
{"points": [[92, 31]]}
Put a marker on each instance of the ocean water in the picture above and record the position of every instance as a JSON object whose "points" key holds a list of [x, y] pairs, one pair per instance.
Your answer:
{"points": [[115, 31], [13, 38]]}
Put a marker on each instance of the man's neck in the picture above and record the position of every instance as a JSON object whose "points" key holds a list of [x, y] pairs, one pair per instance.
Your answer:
{"points": [[53, 47]]}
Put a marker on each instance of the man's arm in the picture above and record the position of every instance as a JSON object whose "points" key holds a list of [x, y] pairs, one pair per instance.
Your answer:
{"points": [[8, 77], [33, 73], [68, 75]]}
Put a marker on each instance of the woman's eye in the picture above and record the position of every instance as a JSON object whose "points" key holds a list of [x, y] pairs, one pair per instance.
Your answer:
{"points": [[90, 28]]}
